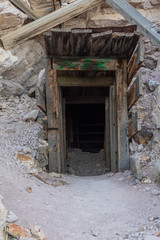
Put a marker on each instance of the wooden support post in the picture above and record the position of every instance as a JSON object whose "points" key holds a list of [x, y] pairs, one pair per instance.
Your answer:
{"points": [[113, 128], [52, 117], [122, 116], [107, 136]]}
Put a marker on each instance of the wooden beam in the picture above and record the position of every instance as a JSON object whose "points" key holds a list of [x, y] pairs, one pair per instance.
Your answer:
{"points": [[25, 8], [134, 124], [122, 116], [135, 92], [85, 82], [86, 64], [53, 160], [47, 22], [147, 28], [52, 98]]}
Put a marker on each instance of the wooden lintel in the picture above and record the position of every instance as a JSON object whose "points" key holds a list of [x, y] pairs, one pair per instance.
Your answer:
{"points": [[25, 8], [47, 22], [134, 124], [135, 92], [86, 64], [85, 82], [144, 26]]}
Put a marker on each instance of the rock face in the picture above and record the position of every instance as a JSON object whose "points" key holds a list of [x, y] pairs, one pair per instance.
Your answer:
{"points": [[10, 17]]}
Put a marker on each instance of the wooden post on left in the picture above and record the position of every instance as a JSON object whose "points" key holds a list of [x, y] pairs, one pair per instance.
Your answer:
{"points": [[52, 118]]}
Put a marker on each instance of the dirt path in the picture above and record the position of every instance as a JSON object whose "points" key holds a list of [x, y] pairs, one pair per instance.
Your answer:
{"points": [[101, 207]]}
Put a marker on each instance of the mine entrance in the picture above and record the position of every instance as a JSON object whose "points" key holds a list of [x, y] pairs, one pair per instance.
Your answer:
{"points": [[85, 130]]}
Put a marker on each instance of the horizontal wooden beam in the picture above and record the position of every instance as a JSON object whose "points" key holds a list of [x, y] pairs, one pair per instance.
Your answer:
{"points": [[135, 92], [147, 28], [134, 124], [47, 22], [86, 64], [25, 8], [85, 82]]}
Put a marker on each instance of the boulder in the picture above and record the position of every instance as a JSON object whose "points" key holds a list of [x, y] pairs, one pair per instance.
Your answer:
{"points": [[37, 232], [10, 17], [8, 88], [143, 136]]}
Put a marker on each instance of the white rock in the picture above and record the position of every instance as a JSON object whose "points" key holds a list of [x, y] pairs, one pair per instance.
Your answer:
{"points": [[155, 192], [37, 232], [11, 217], [151, 237], [32, 115], [6, 60]]}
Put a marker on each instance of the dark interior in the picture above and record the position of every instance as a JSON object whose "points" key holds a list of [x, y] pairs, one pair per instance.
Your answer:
{"points": [[85, 126]]}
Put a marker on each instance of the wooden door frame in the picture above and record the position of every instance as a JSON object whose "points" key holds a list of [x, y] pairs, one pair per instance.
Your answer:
{"points": [[52, 88]]}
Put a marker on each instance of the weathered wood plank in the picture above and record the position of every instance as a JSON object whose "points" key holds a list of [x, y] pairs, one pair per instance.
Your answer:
{"points": [[107, 136], [47, 22], [25, 8], [135, 62], [40, 99], [85, 82], [53, 151], [113, 128], [147, 28], [134, 124], [135, 92], [122, 116], [52, 98], [86, 64]]}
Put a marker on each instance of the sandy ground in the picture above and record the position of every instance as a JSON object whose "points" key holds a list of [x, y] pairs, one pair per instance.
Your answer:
{"points": [[104, 207]]}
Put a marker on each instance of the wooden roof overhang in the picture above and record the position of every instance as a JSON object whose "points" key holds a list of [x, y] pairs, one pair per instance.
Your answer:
{"points": [[109, 42]]}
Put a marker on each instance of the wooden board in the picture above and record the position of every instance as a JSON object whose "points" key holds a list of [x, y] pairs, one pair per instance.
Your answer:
{"points": [[134, 124], [86, 64], [113, 128], [25, 8], [52, 98], [135, 62], [47, 22], [107, 136], [85, 82], [122, 116], [135, 92], [147, 28], [40, 99], [53, 151]]}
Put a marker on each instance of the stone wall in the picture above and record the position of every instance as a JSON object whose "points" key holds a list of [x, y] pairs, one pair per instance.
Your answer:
{"points": [[23, 67]]}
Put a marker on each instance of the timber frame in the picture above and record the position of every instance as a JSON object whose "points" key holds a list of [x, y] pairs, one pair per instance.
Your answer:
{"points": [[118, 92], [106, 57]]}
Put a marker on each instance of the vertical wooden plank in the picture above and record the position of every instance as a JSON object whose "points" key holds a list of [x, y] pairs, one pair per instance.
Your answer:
{"points": [[52, 118], [64, 130], [122, 116], [113, 128], [53, 151], [107, 136], [61, 136]]}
